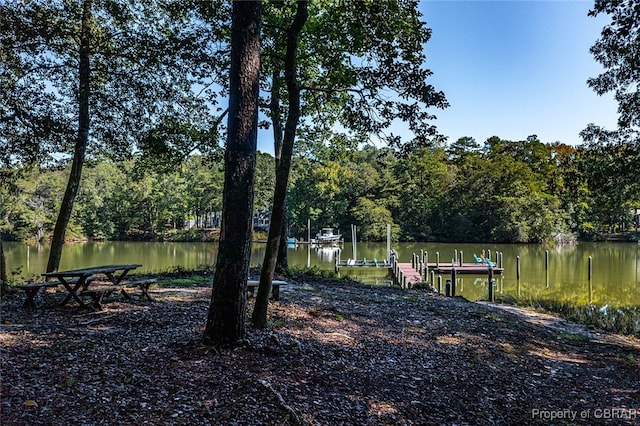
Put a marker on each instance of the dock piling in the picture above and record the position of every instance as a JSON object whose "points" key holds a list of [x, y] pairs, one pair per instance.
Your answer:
{"points": [[453, 281], [491, 293]]}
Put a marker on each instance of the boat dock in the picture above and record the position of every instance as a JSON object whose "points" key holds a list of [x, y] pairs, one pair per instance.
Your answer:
{"points": [[410, 269]]}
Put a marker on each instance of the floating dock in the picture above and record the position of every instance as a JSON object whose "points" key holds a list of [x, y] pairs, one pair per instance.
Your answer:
{"points": [[439, 268], [352, 263], [465, 268]]}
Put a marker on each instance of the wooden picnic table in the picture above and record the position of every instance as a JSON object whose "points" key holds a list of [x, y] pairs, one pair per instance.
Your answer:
{"points": [[76, 281]]}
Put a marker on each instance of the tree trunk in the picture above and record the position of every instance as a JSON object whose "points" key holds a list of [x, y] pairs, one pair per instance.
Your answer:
{"points": [[282, 262], [226, 318], [4, 281], [73, 184], [259, 317]]}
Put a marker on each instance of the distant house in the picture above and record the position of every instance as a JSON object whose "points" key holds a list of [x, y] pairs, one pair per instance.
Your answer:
{"points": [[261, 221], [208, 220]]}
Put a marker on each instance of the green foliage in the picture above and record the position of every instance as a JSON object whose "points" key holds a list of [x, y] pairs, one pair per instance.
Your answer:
{"points": [[151, 77], [459, 194], [617, 51]]}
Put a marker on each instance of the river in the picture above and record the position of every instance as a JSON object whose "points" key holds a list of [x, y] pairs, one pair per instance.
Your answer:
{"points": [[614, 281]]}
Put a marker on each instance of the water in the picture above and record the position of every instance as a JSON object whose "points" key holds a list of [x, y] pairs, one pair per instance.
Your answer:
{"points": [[615, 278]]}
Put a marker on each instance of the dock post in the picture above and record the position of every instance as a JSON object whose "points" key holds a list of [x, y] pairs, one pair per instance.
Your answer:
{"points": [[517, 267], [447, 288], [590, 283], [491, 295], [455, 256], [546, 260], [396, 273], [433, 279], [453, 281], [461, 258], [437, 259], [413, 260]]}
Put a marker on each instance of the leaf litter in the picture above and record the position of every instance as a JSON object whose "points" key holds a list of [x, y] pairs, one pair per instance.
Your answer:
{"points": [[333, 353]]}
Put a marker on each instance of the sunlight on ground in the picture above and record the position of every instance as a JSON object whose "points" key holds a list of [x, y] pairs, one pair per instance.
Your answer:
{"points": [[449, 340], [557, 356], [381, 408]]}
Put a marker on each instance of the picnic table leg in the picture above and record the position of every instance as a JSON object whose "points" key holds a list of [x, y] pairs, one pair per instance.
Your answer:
{"points": [[116, 280], [30, 302], [145, 292], [73, 291]]}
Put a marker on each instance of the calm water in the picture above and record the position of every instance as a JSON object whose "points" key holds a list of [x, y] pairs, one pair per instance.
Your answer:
{"points": [[615, 279]]}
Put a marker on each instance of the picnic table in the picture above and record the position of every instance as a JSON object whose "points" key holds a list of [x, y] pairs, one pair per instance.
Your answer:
{"points": [[77, 281]]}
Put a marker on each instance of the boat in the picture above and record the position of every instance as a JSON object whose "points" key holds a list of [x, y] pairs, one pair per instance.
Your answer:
{"points": [[328, 236]]}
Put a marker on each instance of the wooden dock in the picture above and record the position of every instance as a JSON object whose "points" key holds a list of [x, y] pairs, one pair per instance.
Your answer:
{"points": [[406, 275]]}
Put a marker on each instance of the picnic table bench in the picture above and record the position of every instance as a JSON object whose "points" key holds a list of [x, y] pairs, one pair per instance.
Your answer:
{"points": [[275, 288], [98, 293], [31, 290]]}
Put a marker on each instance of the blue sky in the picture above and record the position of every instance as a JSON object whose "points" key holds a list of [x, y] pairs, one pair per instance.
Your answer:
{"points": [[515, 68], [511, 69]]}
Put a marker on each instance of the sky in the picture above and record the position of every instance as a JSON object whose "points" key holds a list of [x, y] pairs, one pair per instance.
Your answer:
{"points": [[516, 68], [511, 69]]}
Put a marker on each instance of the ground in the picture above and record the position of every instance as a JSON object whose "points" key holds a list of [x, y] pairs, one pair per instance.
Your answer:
{"points": [[333, 353]]}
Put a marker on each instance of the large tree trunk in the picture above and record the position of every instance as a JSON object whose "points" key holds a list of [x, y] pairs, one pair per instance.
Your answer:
{"points": [[259, 317], [226, 318], [73, 184]]}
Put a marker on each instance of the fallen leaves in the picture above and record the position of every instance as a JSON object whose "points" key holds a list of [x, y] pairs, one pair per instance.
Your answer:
{"points": [[336, 353]]}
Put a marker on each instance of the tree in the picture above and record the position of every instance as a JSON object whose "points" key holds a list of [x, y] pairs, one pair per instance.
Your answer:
{"points": [[82, 139], [226, 317], [284, 154], [130, 66], [4, 282], [387, 39], [617, 51]]}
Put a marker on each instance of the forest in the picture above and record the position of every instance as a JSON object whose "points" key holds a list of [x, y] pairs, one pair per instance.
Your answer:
{"points": [[102, 139], [502, 191]]}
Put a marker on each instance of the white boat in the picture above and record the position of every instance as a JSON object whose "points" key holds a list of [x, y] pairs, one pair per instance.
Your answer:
{"points": [[328, 236]]}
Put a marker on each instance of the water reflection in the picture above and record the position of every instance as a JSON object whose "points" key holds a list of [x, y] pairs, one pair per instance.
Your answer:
{"points": [[564, 277]]}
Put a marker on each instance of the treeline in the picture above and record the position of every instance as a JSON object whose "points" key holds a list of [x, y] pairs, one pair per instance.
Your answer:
{"points": [[501, 191]]}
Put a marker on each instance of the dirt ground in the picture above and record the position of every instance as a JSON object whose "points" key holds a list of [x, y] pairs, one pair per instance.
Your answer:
{"points": [[335, 353]]}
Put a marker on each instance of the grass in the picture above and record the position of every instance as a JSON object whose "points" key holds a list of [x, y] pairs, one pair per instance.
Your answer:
{"points": [[621, 320]]}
